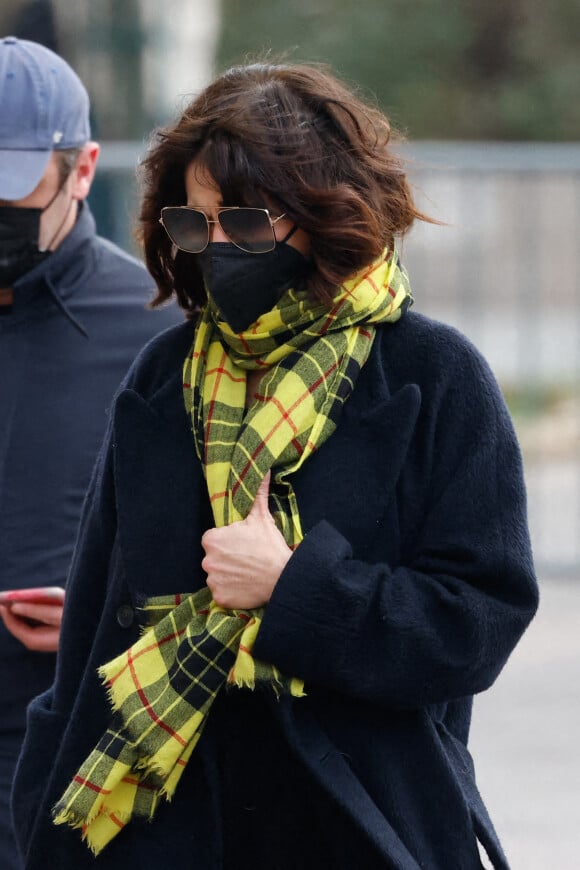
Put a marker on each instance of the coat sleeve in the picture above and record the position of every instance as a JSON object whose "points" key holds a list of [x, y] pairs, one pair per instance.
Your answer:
{"points": [[442, 624]]}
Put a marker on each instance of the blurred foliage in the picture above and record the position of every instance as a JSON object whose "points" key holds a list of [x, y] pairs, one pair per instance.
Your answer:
{"points": [[441, 69], [528, 401]]}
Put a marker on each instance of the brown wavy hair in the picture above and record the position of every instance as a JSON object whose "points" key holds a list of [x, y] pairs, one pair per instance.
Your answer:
{"points": [[290, 136]]}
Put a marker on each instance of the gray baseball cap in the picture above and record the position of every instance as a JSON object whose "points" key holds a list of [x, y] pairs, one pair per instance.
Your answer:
{"points": [[44, 107]]}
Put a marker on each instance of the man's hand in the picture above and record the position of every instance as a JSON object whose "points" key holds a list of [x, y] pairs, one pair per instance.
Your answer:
{"points": [[37, 626], [243, 561]]}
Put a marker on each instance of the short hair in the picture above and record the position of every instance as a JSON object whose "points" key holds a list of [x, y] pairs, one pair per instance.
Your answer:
{"points": [[67, 160], [290, 136]]}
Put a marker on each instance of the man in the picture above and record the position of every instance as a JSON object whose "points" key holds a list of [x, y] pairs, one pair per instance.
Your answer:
{"points": [[73, 316]]}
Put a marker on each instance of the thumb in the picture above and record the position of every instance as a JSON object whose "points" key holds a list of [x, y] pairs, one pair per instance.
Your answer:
{"points": [[260, 507]]}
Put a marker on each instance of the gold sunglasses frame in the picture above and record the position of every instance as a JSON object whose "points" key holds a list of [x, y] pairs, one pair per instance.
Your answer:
{"points": [[219, 211]]}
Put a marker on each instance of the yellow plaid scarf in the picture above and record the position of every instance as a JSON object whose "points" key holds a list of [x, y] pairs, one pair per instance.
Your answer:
{"points": [[162, 688]]}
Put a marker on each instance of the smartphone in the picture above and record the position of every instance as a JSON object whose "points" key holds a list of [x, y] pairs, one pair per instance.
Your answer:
{"points": [[35, 595]]}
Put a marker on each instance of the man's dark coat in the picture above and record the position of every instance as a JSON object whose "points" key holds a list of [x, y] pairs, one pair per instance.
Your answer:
{"points": [[411, 588]]}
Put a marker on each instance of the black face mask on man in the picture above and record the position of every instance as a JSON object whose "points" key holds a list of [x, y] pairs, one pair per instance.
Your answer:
{"points": [[244, 286], [19, 238]]}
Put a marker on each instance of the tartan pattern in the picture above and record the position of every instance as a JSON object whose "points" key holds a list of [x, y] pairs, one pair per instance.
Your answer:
{"points": [[312, 357], [162, 688]]}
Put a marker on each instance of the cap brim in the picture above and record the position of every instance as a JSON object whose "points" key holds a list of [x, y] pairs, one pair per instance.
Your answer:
{"points": [[21, 172]]}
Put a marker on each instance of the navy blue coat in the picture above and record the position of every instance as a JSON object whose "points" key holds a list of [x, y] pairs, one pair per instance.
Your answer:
{"points": [[411, 588]]}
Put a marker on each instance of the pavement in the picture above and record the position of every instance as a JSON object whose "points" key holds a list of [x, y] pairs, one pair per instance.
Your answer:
{"points": [[525, 738]]}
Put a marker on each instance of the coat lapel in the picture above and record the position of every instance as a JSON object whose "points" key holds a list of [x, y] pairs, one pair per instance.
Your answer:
{"points": [[161, 495], [351, 480]]}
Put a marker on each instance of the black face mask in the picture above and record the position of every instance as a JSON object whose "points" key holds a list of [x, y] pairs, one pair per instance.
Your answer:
{"points": [[19, 236], [19, 230], [244, 286]]}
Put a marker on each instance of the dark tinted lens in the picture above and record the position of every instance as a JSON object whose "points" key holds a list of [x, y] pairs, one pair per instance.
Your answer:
{"points": [[249, 229], [186, 227]]}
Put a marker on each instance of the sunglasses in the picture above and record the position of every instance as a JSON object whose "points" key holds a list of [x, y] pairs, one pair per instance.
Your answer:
{"points": [[250, 229]]}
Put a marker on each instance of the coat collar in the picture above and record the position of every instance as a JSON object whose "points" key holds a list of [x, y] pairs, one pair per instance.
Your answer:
{"points": [[62, 266], [59, 276]]}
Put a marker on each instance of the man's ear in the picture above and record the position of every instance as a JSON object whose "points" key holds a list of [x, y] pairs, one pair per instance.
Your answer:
{"points": [[84, 171]]}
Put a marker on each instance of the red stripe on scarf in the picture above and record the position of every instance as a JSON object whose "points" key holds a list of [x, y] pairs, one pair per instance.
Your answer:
{"points": [[222, 371], [117, 821], [91, 785], [332, 316], [284, 415], [148, 708], [217, 495], [147, 649], [211, 406]]}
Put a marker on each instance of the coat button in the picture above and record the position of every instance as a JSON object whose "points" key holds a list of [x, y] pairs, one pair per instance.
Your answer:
{"points": [[125, 615]]}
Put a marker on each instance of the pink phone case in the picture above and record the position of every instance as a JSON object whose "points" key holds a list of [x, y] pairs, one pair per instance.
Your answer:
{"points": [[36, 595]]}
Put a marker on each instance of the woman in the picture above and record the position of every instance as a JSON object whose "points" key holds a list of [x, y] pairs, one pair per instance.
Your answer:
{"points": [[306, 490]]}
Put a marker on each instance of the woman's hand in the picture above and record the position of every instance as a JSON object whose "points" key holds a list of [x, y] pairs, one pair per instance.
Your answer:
{"points": [[37, 626], [243, 561]]}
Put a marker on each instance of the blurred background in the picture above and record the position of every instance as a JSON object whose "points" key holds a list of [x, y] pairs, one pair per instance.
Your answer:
{"points": [[487, 94]]}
